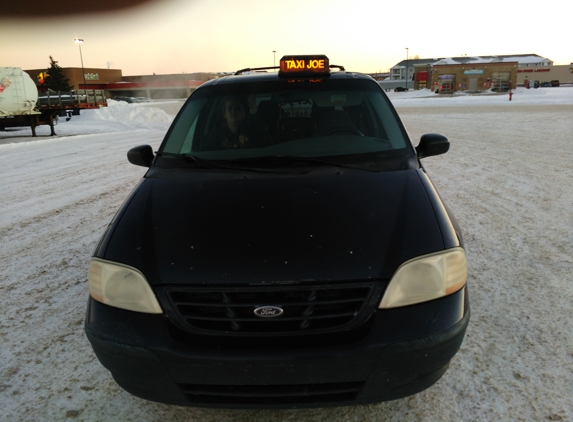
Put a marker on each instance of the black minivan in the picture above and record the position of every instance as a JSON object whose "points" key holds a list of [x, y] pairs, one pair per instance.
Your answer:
{"points": [[285, 249]]}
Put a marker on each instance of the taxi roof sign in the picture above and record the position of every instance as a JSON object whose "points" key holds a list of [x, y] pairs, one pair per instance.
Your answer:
{"points": [[316, 65]]}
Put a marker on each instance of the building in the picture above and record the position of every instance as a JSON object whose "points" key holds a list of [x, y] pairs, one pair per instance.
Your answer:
{"points": [[405, 70], [447, 77], [159, 86], [91, 78], [455, 74], [115, 84], [475, 73], [561, 73], [379, 76]]}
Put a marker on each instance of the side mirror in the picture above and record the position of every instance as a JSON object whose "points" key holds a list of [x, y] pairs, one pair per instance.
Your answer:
{"points": [[432, 144], [141, 156]]}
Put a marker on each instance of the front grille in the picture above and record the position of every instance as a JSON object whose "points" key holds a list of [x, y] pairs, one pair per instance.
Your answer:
{"points": [[271, 394], [306, 308]]}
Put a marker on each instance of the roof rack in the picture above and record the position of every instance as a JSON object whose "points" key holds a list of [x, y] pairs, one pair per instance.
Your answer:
{"points": [[249, 69]]}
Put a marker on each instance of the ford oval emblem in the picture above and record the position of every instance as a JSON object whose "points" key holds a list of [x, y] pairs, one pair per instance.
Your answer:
{"points": [[268, 311]]}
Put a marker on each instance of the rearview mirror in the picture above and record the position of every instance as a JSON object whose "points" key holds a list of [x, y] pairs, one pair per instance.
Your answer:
{"points": [[432, 144], [141, 156]]}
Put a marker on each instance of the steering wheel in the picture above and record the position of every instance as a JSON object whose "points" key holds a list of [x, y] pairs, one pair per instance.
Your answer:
{"points": [[347, 129]]}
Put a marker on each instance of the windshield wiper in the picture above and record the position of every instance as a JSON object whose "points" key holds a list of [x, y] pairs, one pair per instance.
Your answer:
{"points": [[201, 162], [222, 164], [293, 159]]}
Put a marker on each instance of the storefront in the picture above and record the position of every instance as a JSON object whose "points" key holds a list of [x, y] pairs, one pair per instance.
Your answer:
{"points": [[91, 78], [154, 90], [561, 73], [497, 76], [115, 84]]}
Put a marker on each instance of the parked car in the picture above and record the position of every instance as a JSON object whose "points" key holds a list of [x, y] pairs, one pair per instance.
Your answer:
{"points": [[545, 84], [286, 248], [126, 99], [400, 89], [554, 83]]}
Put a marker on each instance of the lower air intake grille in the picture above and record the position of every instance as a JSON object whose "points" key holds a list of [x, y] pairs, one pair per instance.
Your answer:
{"points": [[271, 394], [305, 308]]}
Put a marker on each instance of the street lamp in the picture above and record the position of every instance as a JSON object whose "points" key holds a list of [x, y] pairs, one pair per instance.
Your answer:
{"points": [[274, 57], [79, 42], [406, 68]]}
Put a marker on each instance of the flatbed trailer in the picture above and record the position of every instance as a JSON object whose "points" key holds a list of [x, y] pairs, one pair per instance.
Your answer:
{"points": [[45, 117], [53, 104], [71, 100]]}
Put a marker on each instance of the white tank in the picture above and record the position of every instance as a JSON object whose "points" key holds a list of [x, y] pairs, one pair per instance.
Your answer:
{"points": [[18, 92]]}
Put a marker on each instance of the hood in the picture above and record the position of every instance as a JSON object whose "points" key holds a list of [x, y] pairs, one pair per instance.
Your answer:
{"points": [[273, 229]]}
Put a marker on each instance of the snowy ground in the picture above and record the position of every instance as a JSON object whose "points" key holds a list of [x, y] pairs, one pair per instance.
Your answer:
{"points": [[507, 178]]}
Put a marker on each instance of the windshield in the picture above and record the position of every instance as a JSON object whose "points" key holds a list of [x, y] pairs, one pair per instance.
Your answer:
{"points": [[254, 120]]}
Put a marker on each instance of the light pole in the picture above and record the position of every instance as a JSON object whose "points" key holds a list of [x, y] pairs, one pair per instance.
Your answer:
{"points": [[274, 58], [79, 43], [406, 68]]}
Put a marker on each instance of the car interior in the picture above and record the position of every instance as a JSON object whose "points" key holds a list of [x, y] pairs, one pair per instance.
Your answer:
{"points": [[303, 118], [290, 122]]}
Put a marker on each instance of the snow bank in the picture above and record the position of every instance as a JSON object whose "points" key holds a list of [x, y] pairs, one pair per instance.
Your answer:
{"points": [[120, 111], [118, 116], [507, 178], [521, 96]]}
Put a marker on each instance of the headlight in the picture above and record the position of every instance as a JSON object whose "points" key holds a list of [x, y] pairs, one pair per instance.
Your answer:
{"points": [[121, 286], [426, 278]]}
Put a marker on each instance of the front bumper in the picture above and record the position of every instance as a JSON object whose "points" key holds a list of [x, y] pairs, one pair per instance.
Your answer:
{"points": [[404, 351]]}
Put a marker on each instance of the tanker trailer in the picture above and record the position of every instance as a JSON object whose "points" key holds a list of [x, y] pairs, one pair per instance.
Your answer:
{"points": [[18, 93], [18, 98]]}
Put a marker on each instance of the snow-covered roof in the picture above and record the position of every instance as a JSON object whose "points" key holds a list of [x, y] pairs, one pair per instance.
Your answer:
{"points": [[447, 60], [520, 58], [478, 60], [525, 59]]}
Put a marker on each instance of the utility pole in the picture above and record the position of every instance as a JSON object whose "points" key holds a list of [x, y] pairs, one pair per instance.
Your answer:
{"points": [[406, 68], [79, 43]]}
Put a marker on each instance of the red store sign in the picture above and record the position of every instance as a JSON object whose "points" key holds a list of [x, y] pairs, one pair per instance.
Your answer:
{"points": [[533, 70]]}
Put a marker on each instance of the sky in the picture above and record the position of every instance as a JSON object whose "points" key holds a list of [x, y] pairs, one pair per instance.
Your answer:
{"points": [[177, 36]]}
